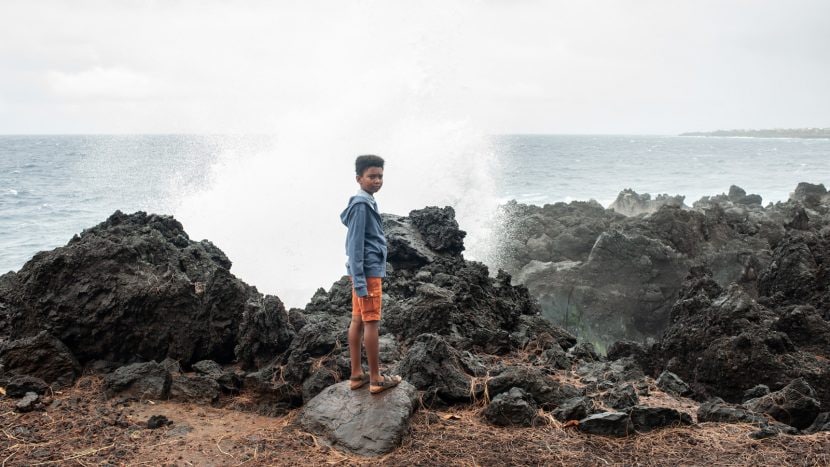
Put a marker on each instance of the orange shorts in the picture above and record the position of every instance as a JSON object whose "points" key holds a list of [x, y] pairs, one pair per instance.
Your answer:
{"points": [[368, 307]]}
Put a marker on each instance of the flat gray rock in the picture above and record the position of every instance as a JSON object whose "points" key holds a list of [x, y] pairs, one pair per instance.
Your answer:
{"points": [[358, 421]]}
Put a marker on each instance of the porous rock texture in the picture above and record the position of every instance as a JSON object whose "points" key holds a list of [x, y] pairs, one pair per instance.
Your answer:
{"points": [[440, 313], [614, 274], [133, 288]]}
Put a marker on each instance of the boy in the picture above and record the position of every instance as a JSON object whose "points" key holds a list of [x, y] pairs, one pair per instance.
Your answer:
{"points": [[366, 248]]}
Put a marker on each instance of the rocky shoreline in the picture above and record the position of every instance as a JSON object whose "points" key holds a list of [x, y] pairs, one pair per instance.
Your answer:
{"points": [[723, 306]]}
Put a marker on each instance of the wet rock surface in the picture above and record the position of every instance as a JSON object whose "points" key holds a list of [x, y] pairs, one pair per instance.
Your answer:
{"points": [[358, 421], [614, 274]]}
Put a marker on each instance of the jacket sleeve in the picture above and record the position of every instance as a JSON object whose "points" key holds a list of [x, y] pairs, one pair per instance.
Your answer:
{"points": [[354, 247]]}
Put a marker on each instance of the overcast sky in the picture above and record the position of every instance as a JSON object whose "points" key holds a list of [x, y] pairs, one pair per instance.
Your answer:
{"points": [[649, 67]]}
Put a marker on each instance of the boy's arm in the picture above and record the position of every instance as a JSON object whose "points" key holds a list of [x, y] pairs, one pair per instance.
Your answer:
{"points": [[354, 248]]}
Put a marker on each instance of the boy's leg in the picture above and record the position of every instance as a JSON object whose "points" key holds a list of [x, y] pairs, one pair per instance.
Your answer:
{"points": [[370, 340], [355, 334]]}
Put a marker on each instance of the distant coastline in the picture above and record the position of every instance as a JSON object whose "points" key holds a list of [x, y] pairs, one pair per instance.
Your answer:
{"points": [[774, 133]]}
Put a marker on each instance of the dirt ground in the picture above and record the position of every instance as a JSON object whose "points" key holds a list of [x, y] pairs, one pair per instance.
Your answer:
{"points": [[80, 427]]}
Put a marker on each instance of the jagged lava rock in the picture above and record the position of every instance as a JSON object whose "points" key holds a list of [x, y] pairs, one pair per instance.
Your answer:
{"points": [[133, 287], [630, 203], [197, 389], [42, 356], [512, 408], [547, 392], [716, 410], [794, 405], [358, 421], [723, 342], [645, 418], [140, 381], [608, 424], [434, 367]]}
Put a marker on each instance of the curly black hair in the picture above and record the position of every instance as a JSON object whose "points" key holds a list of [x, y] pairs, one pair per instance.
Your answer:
{"points": [[364, 162]]}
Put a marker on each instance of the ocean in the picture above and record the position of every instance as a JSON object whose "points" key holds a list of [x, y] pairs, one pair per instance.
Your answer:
{"points": [[275, 214]]}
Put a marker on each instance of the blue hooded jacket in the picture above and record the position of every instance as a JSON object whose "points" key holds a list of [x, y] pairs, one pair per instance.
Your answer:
{"points": [[365, 241]]}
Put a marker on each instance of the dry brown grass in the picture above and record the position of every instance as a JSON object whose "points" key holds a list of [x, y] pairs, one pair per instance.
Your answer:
{"points": [[84, 429]]}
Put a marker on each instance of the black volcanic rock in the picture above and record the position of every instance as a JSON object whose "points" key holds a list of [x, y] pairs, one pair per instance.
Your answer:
{"points": [[606, 277], [439, 229], [798, 272], [546, 391], [512, 408], [42, 356], [723, 342], [133, 287], [264, 332], [434, 367], [630, 203], [716, 410], [795, 404]]}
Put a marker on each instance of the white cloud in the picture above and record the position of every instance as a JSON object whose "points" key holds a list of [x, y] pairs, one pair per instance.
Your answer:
{"points": [[536, 66]]}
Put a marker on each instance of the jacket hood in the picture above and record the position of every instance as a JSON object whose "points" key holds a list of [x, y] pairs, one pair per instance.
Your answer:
{"points": [[354, 201]]}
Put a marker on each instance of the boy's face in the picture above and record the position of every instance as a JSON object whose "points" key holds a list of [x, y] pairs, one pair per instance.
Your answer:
{"points": [[371, 180]]}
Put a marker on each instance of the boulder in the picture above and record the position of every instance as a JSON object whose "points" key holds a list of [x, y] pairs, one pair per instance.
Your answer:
{"points": [[607, 374], [195, 389], [716, 410], [134, 287], [19, 386], [759, 390], [635, 350], [439, 229], [264, 332], [546, 392], [629, 203], [608, 424], [773, 429], [584, 351], [434, 367], [622, 396], [722, 342], [809, 194], [821, 423], [140, 381], [795, 404], [358, 421], [649, 418], [672, 384], [42, 356], [512, 408], [575, 408]]}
